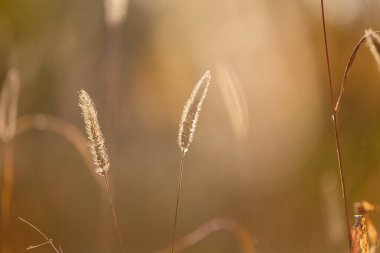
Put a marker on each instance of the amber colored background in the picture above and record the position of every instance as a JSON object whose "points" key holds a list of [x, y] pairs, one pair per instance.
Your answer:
{"points": [[263, 154]]}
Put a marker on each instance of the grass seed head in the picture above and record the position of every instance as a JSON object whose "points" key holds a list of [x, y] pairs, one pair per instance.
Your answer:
{"points": [[191, 112], [94, 133]]}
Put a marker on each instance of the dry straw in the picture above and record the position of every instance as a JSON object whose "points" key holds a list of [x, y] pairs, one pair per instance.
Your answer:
{"points": [[360, 235], [186, 132], [335, 103], [364, 208], [368, 37]]}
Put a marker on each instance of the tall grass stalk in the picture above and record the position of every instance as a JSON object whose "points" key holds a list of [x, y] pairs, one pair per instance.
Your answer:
{"points": [[8, 117], [336, 131], [98, 150], [335, 113], [186, 132], [115, 16]]}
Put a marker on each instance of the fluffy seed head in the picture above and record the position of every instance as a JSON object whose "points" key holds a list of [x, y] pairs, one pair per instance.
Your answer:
{"points": [[191, 112], [94, 133]]}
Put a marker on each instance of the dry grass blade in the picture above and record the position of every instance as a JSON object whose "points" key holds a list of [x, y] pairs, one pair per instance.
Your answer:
{"points": [[373, 43], [349, 65], [48, 240], [191, 112], [365, 208], [95, 135], [360, 235], [246, 241], [234, 99], [44, 122], [8, 105], [336, 112]]}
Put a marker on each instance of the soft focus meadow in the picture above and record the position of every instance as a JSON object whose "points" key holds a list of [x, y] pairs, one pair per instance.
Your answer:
{"points": [[261, 172]]}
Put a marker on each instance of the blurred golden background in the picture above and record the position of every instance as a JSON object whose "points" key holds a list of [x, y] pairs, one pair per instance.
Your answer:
{"points": [[263, 154]]}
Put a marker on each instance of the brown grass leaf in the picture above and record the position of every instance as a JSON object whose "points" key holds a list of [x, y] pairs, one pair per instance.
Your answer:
{"points": [[360, 243], [364, 208]]}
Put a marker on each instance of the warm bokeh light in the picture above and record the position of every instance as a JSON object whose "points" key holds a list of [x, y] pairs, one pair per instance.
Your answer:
{"points": [[261, 172]]}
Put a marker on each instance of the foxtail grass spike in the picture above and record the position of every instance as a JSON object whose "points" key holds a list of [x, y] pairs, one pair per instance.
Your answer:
{"points": [[187, 127], [95, 135], [191, 112], [98, 150]]}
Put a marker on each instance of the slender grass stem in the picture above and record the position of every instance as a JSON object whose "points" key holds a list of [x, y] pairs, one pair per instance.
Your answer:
{"points": [[342, 176], [48, 240], [6, 193], [177, 204], [113, 212], [336, 131]]}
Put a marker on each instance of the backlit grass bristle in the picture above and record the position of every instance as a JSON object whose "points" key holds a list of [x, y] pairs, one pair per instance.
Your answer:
{"points": [[95, 135], [191, 112]]}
